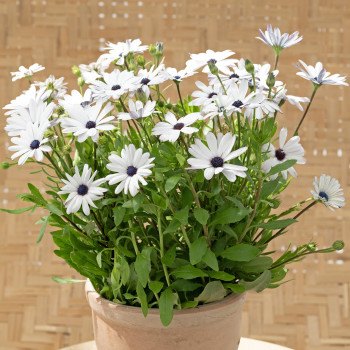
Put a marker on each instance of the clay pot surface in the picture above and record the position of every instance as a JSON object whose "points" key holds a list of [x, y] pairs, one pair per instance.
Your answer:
{"points": [[212, 326]]}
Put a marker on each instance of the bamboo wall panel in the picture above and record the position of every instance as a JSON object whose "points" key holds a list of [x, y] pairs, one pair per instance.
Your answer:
{"points": [[312, 310]]}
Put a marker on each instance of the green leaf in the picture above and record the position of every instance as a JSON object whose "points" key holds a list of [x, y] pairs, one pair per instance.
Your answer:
{"points": [[213, 291], [172, 227], [180, 159], [99, 259], [65, 280], [53, 209], [189, 305], [182, 285], [37, 194], [182, 216], [115, 281], [171, 182], [166, 310], [240, 252], [143, 267], [66, 230], [197, 250], [43, 228], [235, 288], [268, 188], [143, 299], [259, 284], [280, 167], [17, 211], [118, 213], [170, 255], [159, 200], [188, 272], [220, 275], [277, 224], [210, 259], [201, 215], [155, 286], [229, 216], [257, 265], [124, 271]]}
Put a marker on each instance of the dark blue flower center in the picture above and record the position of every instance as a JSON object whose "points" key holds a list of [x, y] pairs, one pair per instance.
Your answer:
{"points": [[145, 81], [234, 75], [178, 126], [35, 144], [131, 170], [213, 61], [85, 103], [116, 87], [324, 195], [237, 103], [83, 190], [90, 124], [212, 94], [280, 155], [177, 77], [217, 162]]}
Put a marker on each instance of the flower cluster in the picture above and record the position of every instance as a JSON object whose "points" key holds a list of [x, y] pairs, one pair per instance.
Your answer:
{"points": [[151, 196]]}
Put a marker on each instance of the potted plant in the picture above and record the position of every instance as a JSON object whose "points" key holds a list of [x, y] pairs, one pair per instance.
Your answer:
{"points": [[168, 208]]}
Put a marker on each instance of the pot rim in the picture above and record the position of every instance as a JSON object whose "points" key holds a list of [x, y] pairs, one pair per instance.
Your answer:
{"points": [[91, 293]]}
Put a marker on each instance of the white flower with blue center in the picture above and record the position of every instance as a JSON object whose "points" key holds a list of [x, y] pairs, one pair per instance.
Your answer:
{"points": [[205, 95], [30, 144], [278, 42], [153, 76], [328, 191], [137, 110], [130, 168], [76, 98], [24, 72], [171, 129], [56, 87], [87, 121], [291, 149], [94, 70], [238, 96], [215, 157], [319, 76], [175, 75], [83, 190]]}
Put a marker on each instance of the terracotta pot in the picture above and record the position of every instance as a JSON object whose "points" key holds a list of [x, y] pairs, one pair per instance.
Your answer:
{"points": [[212, 326]]}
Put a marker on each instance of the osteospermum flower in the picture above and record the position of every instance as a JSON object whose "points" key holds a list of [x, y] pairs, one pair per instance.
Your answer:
{"points": [[87, 121], [239, 97], [278, 42], [319, 76], [56, 87], [82, 190], [286, 151], [24, 72], [222, 103], [328, 191], [214, 158], [281, 94], [175, 75], [130, 168], [260, 105], [76, 98], [138, 110], [146, 78], [30, 144], [172, 128], [93, 71], [206, 95], [220, 59]]}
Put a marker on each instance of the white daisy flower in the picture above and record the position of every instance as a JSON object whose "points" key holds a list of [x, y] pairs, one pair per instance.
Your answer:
{"points": [[138, 110], [30, 144], [37, 113], [76, 98], [281, 94], [82, 190], [171, 129], [22, 101], [328, 191], [56, 87], [260, 106], [222, 104], [319, 76], [118, 51], [87, 121], [94, 70], [24, 72], [175, 75], [130, 168], [146, 78], [115, 85], [239, 97], [286, 151], [277, 41], [220, 59], [213, 157], [206, 95]]}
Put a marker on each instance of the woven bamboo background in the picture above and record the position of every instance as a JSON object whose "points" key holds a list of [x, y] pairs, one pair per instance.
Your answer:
{"points": [[310, 312]]}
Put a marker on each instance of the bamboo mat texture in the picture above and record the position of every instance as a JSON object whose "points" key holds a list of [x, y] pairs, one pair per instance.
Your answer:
{"points": [[312, 310]]}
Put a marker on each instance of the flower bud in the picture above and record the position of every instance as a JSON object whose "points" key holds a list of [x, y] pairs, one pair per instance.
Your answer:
{"points": [[176, 109], [160, 104], [81, 81], [48, 134], [159, 49], [141, 60], [5, 165], [76, 71], [141, 95], [152, 49], [311, 246], [60, 110], [169, 106], [249, 67], [338, 245], [270, 81], [213, 68], [132, 65], [282, 102]]}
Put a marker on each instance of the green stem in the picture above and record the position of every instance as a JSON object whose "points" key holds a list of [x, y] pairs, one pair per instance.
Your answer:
{"points": [[179, 93], [307, 109], [221, 83], [276, 61], [161, 244], [58, 170]]}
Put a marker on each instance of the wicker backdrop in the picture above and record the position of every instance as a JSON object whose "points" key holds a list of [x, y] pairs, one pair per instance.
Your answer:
{"points": [[311, 311]]}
